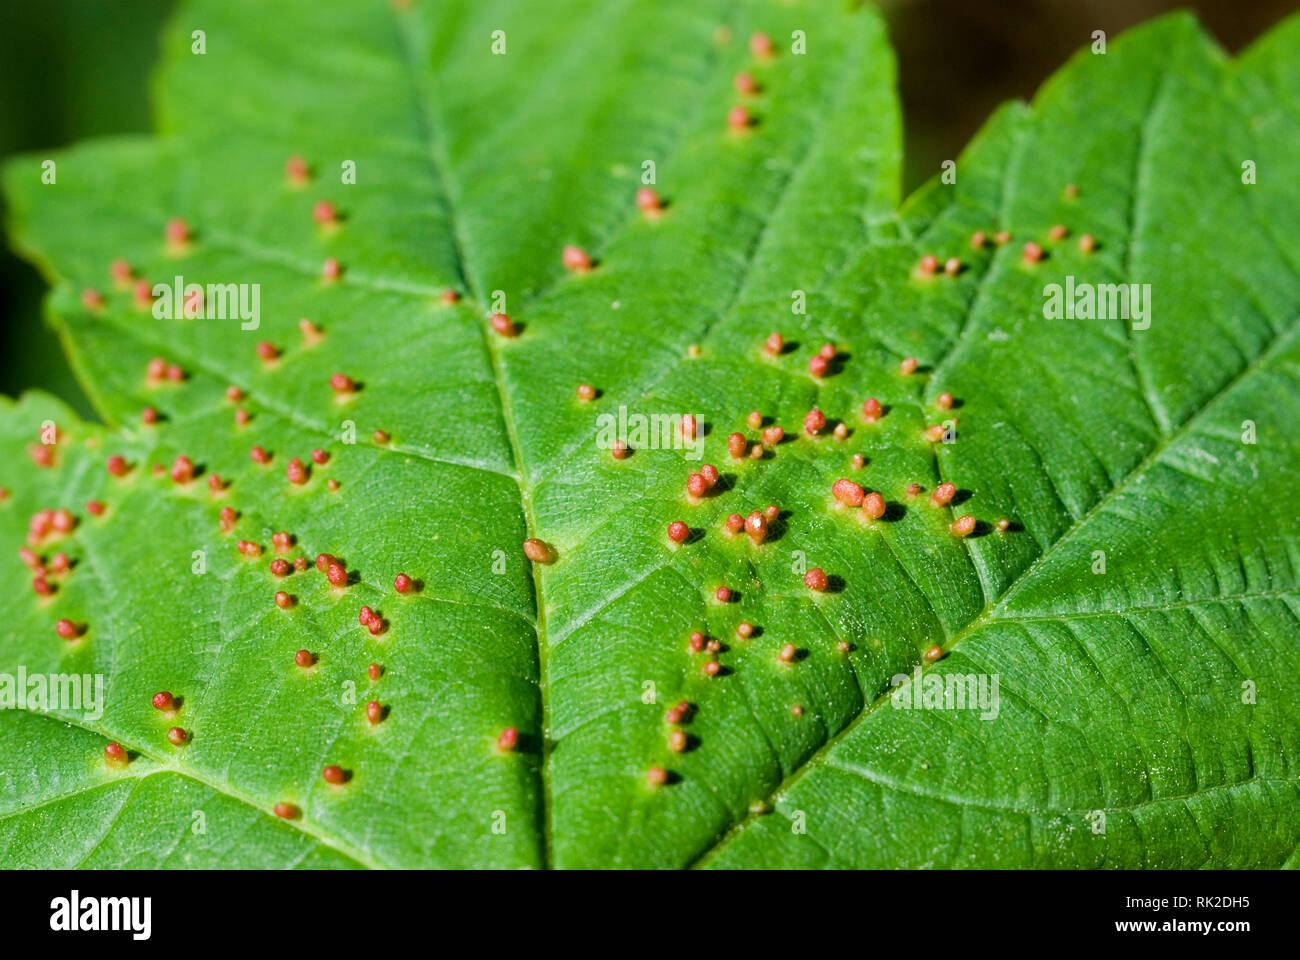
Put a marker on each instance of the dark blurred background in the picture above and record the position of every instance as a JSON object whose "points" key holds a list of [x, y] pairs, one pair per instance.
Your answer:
{"points": [[71, 69]]}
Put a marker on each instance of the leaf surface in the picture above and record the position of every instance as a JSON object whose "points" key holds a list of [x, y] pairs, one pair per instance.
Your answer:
{"points": [[1159, 693]]}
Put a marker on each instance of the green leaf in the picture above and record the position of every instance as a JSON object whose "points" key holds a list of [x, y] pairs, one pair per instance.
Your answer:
{"points": [[1155, 699]]}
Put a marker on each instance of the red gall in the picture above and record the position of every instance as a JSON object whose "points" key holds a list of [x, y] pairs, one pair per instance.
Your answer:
{"points": [[774, 344], [722, 594], [157, 369], [1087, 243], [259, 455], [676, 741], [746, 84], [736, 446], [1031, 252], [735, 523], [816, 579], [304, 658], [857, 461], [745, 630], [333, 774], [120, 271], [586, 392], [508, 739], [375, 671], [773, 435], [538, 551], [841, 431], [1058, 232], [94, 508], [656, 776], [1003, 525], [818, 366], [710, 668], [115, 753], [814, 422], [872, 410], [907, 366], [771, 512], [336, 575], [927, 265], [502, 324], [688, 427], [977, 240], [678, 531], [280, 567], [619, 450], [710, 474], [933, 654], [963, 526], [449, 296], [148, 416], [177, 232], [952, 266], [943, 493], [182, 469], [283, 600], [873, 506], [285, 811], [282, 541], [787, 653], [242, 417], [250, 549], [297, 471], [331, 270], [228, 518], [177, 736], [62, 520], [319, 456], [310, 332], [162, 700], [403, 584], [914, 489], [756, 527], [117, 465], [575, 259], [42, 587], [696, 485], [847, 492], [944, 401], [934, 432], [325, 213], [267, 350], [342, 383], [761, 46], [648, 201], [60, 563], [374, 712], [297, 173], [755, 419], [738, 118], [1002, 237]]}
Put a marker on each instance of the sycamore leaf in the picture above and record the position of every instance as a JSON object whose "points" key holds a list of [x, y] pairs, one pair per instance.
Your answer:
{"points": [[1125, 646]]}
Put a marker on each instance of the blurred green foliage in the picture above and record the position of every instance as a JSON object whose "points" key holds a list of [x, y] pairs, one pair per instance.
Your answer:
{"points": [[72, 69]]}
